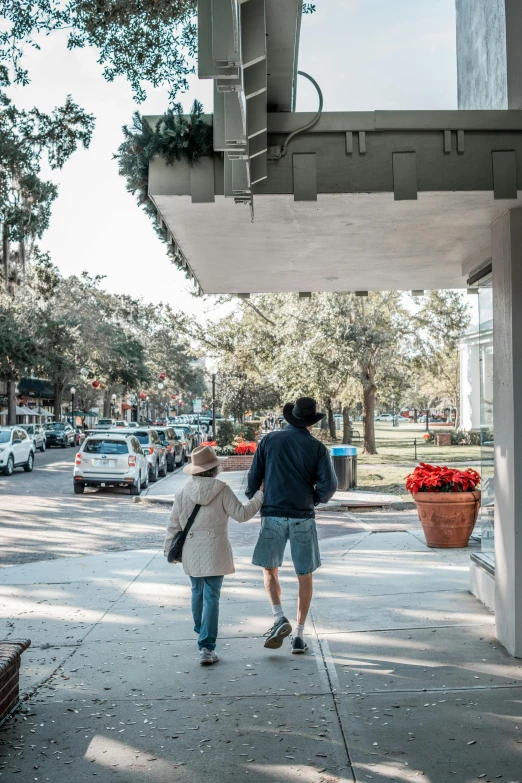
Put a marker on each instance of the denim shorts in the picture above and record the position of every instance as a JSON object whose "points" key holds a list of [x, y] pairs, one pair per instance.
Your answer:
{"points": [[304, 546]]}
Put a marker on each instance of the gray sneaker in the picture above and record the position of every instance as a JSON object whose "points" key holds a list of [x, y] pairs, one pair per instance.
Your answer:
{"points": [[207, 657], [275, 635]]}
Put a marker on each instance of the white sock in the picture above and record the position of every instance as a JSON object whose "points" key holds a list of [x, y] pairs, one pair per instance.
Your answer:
{"points": [[299, 630], [277, 609]]}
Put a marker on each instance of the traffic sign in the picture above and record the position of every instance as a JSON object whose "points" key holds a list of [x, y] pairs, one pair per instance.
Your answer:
{"points": [[198, 406]]}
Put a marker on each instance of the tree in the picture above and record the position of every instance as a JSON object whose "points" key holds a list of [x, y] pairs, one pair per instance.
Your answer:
{"points": [[341, 339], [441, 322], [26, 138], [18, 344], [143, 40]]}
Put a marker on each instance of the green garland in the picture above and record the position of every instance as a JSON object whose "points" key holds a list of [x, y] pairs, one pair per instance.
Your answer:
{"points": [[176, 137]]}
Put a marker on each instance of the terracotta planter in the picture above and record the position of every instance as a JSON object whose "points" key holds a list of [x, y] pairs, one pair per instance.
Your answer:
{"points": [[447, 518]]}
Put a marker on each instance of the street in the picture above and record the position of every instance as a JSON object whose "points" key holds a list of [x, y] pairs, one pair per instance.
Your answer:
{"points": [[42, 519]]}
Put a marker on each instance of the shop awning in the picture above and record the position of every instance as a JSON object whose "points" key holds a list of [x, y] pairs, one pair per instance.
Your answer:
{"points": [[36, 387], [126, 407]]}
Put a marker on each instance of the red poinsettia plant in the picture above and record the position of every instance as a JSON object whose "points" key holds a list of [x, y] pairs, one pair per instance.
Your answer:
{"points": [[208, 443], [434, 478], [246, 447]]}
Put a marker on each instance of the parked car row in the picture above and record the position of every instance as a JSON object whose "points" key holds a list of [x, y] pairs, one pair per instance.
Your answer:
{"points": [[127, 457]]}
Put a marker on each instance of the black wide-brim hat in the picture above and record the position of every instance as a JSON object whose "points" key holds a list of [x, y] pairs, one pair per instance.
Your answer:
{"points": [[302, 413]]}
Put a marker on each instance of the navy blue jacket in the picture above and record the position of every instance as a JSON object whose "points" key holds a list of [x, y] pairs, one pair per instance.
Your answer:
{"points": [[297, 470]]}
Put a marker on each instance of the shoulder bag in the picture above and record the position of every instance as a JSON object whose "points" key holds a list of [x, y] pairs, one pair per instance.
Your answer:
{"points": [[176, 548]]}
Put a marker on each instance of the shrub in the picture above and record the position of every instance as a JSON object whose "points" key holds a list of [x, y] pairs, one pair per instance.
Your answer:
{"points": [[225, 433], [460, 438], [433, 478], [249, 432], [225, 451]]}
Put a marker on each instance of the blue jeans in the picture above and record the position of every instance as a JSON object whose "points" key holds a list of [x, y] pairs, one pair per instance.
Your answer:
{"points": [[205, 608]]}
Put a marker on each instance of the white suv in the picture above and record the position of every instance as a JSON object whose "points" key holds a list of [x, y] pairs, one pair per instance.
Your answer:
{"points": [[111, 460], [16, 450]]}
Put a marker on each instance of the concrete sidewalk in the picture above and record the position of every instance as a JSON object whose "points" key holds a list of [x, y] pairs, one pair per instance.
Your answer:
{"points": [[404, 680], [165, 489]]}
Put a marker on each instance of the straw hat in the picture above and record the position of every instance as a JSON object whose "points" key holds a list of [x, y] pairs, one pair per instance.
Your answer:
{"points": [[203, 458]]}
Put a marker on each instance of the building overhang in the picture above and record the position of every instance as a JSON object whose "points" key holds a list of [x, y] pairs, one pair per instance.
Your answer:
{"points": [[363, 201]]}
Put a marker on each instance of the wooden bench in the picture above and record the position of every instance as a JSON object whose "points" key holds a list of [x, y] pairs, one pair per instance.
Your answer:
{"points": [[10, 654]]}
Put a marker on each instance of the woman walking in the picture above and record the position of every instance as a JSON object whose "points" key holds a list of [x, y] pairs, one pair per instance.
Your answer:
{"points": [[207, 554]]}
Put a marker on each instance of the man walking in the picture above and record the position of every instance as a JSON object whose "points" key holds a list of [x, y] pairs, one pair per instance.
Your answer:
{"points": [[298, 474]]}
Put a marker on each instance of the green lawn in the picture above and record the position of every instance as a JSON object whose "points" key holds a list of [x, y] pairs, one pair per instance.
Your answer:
{"points": [[396, 446], [384, 478]]}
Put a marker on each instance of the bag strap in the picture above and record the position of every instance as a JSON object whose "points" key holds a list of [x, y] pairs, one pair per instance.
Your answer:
{"points": [[191, 519]]}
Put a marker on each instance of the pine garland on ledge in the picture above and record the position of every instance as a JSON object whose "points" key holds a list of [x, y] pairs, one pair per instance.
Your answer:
{"points": [[176, 137]]}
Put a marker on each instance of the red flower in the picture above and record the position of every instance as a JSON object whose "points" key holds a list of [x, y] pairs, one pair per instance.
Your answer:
{"points": [[208, 443], [246, 448], [434, 478]]}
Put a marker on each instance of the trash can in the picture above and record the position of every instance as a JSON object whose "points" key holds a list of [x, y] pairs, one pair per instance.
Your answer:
{"points": [[344, 460]]}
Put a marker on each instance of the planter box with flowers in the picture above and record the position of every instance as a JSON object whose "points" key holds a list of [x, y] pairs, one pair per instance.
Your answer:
{"points": [[241, 458], [237, 457], [448, 503]]}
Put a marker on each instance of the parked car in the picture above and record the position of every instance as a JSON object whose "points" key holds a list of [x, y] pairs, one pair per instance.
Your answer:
{"points": [[121, 423], [191, 436], [384, 417], [105, 424], [176, 452], [111, 460], [58, 433], [17, 449], [37, 433], [160, 422], [154, 450]]}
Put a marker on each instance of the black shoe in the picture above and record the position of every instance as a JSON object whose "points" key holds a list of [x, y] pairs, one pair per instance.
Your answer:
{"points": [[277, 633], [299, 646]]}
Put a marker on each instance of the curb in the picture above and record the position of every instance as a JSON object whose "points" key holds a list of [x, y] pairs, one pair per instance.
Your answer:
{"points": [[151, 500]]}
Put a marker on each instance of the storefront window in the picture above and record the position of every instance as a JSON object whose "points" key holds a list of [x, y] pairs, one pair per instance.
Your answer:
{"points": [[485, 308]]}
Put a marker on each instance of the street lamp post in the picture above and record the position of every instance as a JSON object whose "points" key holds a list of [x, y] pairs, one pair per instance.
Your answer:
{"points": [[212, 368], [113, 404], [213, 405], [395, 414], [73, 392]]}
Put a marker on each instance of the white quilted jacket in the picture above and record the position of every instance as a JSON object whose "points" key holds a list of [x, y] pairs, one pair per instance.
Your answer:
{"points": [[207, 550]]}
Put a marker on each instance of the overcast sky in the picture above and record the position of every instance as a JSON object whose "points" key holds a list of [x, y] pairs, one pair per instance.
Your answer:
{"points": [[365, 54]]}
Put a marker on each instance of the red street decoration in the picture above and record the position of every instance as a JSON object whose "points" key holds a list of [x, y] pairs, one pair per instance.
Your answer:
{"points": [[95, 384], [163, 375], [172, 396], [180, 403], [433, 478], [143, 396]]}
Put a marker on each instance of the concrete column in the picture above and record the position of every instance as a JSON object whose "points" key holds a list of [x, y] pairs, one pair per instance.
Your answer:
{"points": [[489, 55], [506, 236]]}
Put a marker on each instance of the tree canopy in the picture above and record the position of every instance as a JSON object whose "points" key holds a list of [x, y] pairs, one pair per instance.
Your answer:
{"points": [[146, 41], [349, 352]]}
